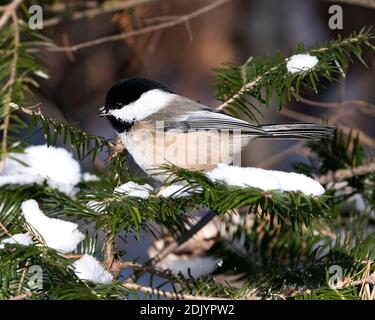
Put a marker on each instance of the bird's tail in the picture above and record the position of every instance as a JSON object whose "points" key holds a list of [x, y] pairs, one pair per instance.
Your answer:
{"points": [[298, 131]]}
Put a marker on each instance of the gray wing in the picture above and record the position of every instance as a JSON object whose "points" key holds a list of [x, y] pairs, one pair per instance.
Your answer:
{"points": [[192, 115]]}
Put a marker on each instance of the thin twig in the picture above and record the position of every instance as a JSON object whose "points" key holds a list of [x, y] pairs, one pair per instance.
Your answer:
{"points": [[6, 231], [306, 118], [73, 256], [107, 7], [309, 102], [23, 275], [36, 111], [368, 280], [344, 174], [248, 86], [9, 10], [169, 24], [21, 297], [363, 106], [109, 251]]}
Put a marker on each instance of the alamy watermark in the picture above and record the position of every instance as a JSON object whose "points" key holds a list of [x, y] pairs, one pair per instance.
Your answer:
{"points": [[35, 281], [336, 281], [36, 17], [31, 277], [336, 21]]}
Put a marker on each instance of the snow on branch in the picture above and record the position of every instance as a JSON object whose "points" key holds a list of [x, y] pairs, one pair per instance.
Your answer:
{"points": [[301, 62], [178, 191], [266, 179], [39, 164], [88, 268], [22, 239], [58, 234], [133, 189], [280, 76]]}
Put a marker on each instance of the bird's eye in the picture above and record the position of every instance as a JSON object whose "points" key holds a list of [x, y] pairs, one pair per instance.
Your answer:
{"points": [[118, 105]]}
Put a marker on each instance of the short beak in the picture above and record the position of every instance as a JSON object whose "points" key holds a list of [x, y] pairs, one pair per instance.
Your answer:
{"points": [[102, 112]]}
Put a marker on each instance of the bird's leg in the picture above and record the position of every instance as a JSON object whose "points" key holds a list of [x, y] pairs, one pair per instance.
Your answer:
{"points": [[116, 148]]}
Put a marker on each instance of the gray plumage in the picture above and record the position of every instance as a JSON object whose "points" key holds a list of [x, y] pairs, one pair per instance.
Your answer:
{"points": [[195, 116]]}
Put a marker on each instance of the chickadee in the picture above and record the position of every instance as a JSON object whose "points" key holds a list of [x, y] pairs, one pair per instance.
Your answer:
{"points": [[160, 127]]}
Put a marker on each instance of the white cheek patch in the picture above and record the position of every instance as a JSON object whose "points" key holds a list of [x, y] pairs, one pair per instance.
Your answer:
{"points": [[148, 103]]}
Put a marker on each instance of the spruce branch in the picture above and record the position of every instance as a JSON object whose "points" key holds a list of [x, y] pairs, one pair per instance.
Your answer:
{"points": [[9, 84], [81, 140], [261, 79]]}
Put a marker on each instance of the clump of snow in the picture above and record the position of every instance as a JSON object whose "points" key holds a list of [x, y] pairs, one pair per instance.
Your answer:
{"points": [[37, 164], [301, 62], [266, 179], [88, 268], [89, 177], [177, 191], [133, 189], [22, 239], [199, 265], [58, 234]]}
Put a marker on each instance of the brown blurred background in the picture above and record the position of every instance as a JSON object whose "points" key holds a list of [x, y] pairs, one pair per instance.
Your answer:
{"points": [[182, 58]]}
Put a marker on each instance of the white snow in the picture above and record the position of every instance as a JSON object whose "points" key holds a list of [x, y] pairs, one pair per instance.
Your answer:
{"points": [[301, 62], [177, 191], [58, 234], [37, 164], [88, 268], [20, 238], [199, 266], [89, 177], [265, 179], [133, 189], [148, 103]]}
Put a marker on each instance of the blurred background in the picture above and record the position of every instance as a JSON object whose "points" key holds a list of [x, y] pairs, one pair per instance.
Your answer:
{"points": [[182, 57]]}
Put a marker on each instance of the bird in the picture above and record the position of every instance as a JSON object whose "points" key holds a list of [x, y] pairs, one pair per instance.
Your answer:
{"points": [[160, 127]]}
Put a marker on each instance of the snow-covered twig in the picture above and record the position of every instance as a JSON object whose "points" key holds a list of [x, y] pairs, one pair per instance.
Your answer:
{"points": [[301, 63], [41, 163], [22, 239], [58, 234], [266, 179], [88, 268]]}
